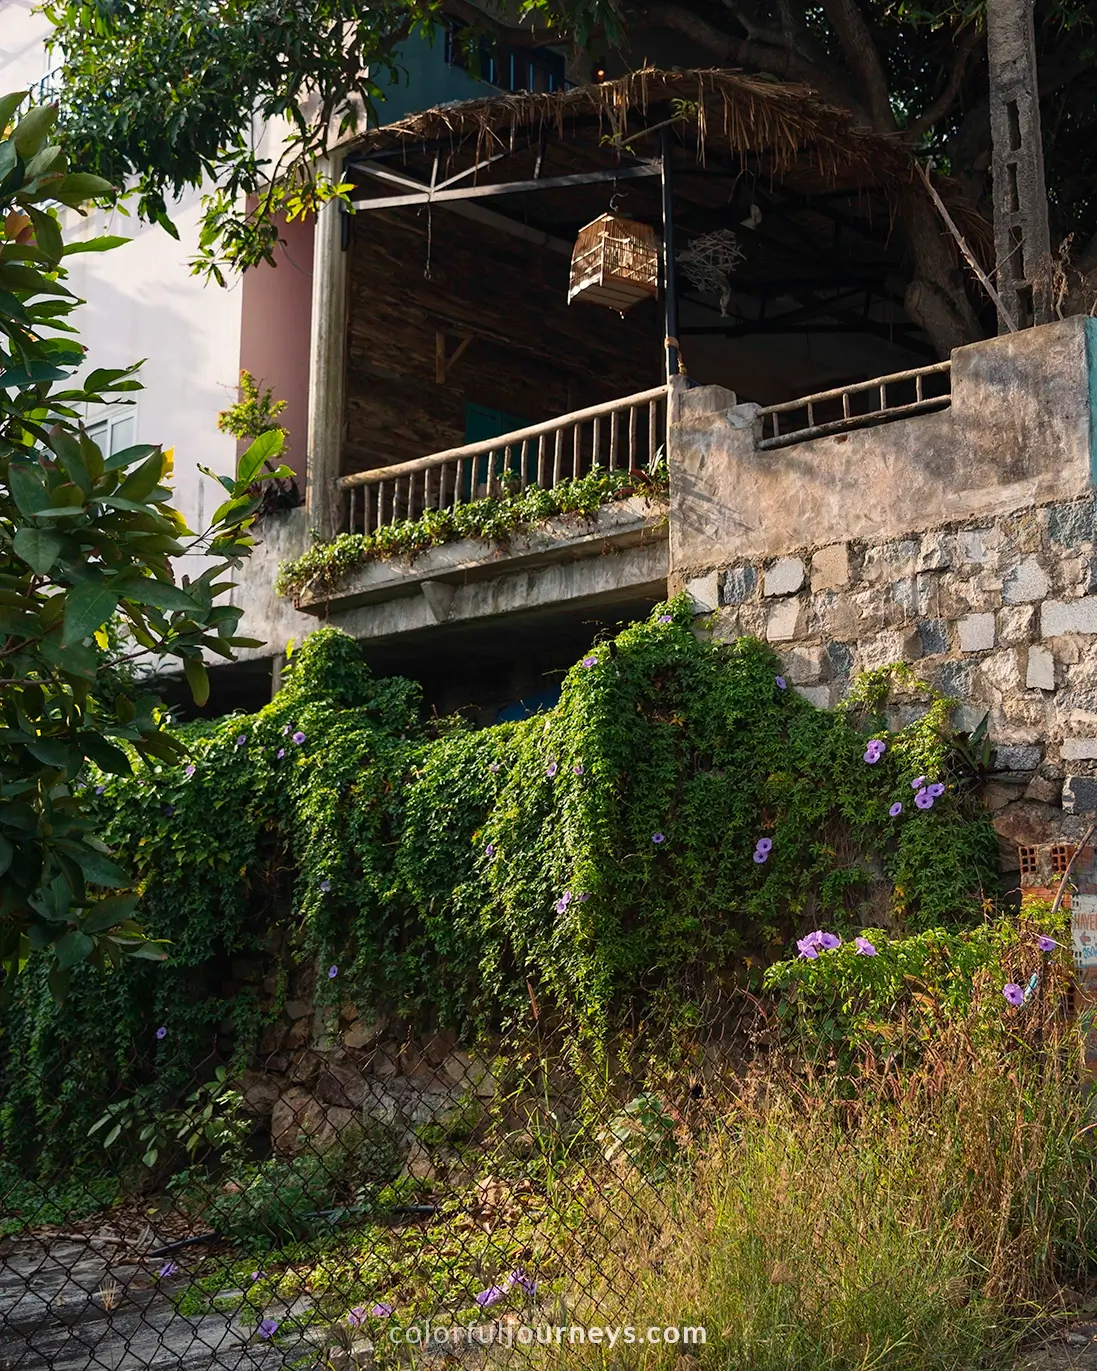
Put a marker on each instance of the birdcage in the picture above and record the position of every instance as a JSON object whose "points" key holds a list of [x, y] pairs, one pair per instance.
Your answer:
{"points": [[615, 263]]}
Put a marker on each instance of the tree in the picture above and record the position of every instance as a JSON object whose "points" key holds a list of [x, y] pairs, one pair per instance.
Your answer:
{"points": [[161, 94], [86, 549]]}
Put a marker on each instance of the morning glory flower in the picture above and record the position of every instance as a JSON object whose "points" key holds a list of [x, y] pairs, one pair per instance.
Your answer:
{"points": [[281, 753], [298, 737], [583, 898], [864, 947], [1046, 944], [924, 800], [579, 768], [551, 769], [936, 789], [357, 1317], [874, 751], [99, 789], [1014, 994], [782, 684], [268, 1328], [829, 941], [760, 855], [492, 1295], [325, 886], [489, 851], [493, 767], [658, 838], [520, 1279], [896, 809], [255, 1275], [590, 661], [918, 783], [241, 740], [764, 844], [190, 770], [563, 902], [807, 947], [382, 1311], [333, 971], [168, 1269], [286, 730], [161, 1033], [666, 619]]}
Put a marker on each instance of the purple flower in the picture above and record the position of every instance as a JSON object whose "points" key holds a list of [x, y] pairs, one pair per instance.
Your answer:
{"points": [[1046, 944], [666, 619], [168, 1269], [579, 768], [281, 753], [286, 730], [255, 1275], [918, 783], [760, 855], [489, 851], [169, 810], [493, 767], [896, 809], [382, 1311], [1014, 994], [241, 740], [874, 751], [298, 737], [829, 941], [492, 1295], [582, 899], [325, 886], [807, 947], [764, 845], [936, 789], [658, 838], [190, 770], [161, 1033], [563, 902], [357, 1317], [99, 789], [924, 800], [523, 1281], [551, 769], [333, 971], [864, 947], [782, 684], [590, 661], [268, 1328]]}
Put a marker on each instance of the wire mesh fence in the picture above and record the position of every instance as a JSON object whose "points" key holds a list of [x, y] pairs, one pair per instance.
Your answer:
{"points": [[357, 1194]]}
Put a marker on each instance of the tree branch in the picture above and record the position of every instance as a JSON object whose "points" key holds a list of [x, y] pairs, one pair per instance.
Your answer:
{"points": [[946, 99], [863, 58]]}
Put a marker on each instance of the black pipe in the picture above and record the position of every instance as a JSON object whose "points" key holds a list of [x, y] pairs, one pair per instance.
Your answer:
{"points": [[670, 282]]}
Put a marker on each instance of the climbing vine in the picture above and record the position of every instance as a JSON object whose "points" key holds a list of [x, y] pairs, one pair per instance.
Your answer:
{"points": [[496, 519], [673, 821]]}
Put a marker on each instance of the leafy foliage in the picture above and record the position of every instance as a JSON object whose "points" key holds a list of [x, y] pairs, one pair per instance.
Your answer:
{"points": [[324, 565], [447, 878], [86, 546]]}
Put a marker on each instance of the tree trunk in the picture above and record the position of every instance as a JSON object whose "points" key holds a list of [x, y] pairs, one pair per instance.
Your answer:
{"points": [[936, 299]]}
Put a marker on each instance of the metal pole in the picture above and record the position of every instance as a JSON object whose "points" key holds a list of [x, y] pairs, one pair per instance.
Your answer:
{"points": [[670, 283]]}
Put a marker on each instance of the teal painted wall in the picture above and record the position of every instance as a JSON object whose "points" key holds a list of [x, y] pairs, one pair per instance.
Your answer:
{"points": [[426, 80]]}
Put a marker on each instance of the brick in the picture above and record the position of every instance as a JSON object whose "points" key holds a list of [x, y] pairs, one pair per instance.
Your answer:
{"points": [[1040, 671], [1068, 616], [1079, 749], [830, 567], [784, 621], [934, 636], [1080, 795], [704, 591], [1025, 583], [740, 583], [784, 577], [976, 632], [1017, 757]]}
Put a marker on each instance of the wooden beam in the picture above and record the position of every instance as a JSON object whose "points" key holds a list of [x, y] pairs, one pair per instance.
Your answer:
{"points": [[426, 196], [443, 365]]}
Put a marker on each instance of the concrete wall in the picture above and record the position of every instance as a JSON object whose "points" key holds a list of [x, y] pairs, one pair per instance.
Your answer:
{"points": [[964, 542]]}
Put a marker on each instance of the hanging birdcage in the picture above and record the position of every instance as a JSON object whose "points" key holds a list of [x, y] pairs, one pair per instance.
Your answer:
{"points": [[615, 263]]}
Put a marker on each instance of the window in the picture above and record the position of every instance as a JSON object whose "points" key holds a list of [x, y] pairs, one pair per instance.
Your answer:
{"points": [[114, 432], [517, 69]]}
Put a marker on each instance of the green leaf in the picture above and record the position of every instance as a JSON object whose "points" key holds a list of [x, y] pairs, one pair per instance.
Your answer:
{"points": [[81, 186], [76, 659], [106, 755], [59, 983], [7, 854], [97, 867], [266, 446], [74, 947], [9, 104], [104, 243], [87, 607], [148, 590], [38, 548], [197, 679], [50, 752], [109, 913], [28, 490], [33, 129], [140, 484]]}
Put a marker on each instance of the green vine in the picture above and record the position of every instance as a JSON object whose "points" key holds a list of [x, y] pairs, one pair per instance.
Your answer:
{"points": [[600, 855], [325, 565]]}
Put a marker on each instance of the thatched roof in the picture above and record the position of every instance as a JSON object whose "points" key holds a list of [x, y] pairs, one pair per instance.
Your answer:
{"points": [[729, 111]]}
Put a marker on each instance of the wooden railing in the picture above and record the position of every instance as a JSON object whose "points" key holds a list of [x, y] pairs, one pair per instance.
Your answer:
{"points": [[857, 406], [621, 434]]}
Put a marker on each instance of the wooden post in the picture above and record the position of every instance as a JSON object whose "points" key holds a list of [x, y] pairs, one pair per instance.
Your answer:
{"points": [[327, 364], [1022, 240]]}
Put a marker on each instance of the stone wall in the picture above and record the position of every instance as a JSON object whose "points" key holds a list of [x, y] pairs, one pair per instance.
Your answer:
{"points": [[996, 606]]}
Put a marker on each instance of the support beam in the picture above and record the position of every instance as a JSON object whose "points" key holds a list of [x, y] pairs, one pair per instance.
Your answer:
{"points": [[670, 274], [1022, 240], [327, 365], [425, 196]]}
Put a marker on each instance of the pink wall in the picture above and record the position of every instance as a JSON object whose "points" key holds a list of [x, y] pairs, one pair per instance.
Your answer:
{"points": [[274, 332]]}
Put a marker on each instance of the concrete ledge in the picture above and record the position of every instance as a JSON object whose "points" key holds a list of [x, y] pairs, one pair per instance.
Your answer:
{"points": [[565, 539]]}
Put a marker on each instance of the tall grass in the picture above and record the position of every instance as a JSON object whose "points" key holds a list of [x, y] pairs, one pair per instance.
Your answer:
{"points": [[922, 1222]]}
